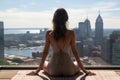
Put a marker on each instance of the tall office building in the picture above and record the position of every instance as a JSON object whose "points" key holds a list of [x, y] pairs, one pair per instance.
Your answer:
{"points": [[79, 47], [1, 40], [88, 28], [106, 52], [115, 42], [85, 36], [111, 48], [84, 29], [99, 31], [76, 31], [116, 52], [42, 33]]}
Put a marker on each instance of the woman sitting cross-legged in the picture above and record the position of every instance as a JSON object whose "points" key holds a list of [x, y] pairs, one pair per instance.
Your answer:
{"points": [[61, 40]]}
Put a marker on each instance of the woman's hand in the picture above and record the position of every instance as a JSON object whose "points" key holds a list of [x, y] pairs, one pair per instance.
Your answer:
{"points": [[32, 73], [90, 73]]}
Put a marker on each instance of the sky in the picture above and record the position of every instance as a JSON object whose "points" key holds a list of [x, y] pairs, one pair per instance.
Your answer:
{"points": [[39, 13]]}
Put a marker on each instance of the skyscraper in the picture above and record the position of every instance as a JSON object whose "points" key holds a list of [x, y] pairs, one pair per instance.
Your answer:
{"points": [[88, 28], [111, 48], [99, 31], [84, 29], [1, 40], [79, 46], [106, 52], [115, 43], [116, 52], [85, 35]]}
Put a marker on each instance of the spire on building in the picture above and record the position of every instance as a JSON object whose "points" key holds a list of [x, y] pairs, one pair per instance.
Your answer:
{"points": [[99, 30], [99, 18], [87, 20], [99, 12]]}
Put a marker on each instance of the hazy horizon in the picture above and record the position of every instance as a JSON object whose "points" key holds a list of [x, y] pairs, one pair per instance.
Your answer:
{"points": [[49, 28], [30, 13]]}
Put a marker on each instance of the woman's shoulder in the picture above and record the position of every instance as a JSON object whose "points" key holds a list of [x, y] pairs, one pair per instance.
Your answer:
{"points": [[70, 31], [71, 34], [49, 32]]}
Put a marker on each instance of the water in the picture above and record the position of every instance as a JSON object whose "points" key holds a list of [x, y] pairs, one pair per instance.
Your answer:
{"points": [[37, 30], [24, 51], [28, 51], [20, 30]]}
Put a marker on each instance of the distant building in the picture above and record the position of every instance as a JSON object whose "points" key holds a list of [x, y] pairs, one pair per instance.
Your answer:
{"points": [[115, 42], [116, 52], [99, 31], [84, 34], [28, 36], [111, 48], [1, 40], [37, 54], [79, 47], [42, 33], [87, 47], [76, 31], [86, 51], [88, 27], [106, 52], [84, 30]]}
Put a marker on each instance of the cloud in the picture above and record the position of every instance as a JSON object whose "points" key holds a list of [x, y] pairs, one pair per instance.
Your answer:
{"points": [[57, 1], [24, 6], [107, 4], [30, 4], [15, 17], [11, 10]]}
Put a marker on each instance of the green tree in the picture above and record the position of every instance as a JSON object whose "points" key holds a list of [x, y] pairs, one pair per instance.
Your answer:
{"points": [[17, 60], [4, 62]]}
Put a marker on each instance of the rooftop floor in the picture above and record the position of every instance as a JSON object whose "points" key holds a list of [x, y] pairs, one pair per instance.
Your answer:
{"points": [[21, 75]]}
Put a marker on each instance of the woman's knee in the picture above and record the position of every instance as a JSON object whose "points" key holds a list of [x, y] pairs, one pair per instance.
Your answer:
{"points": [[76, 65], [45, 66]]}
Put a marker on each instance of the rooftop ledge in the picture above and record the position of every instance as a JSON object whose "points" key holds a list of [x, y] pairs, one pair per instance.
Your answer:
{"points": [[30, 67], [18, 72]]}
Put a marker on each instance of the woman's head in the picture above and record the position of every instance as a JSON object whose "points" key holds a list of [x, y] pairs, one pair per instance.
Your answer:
{"points": [[60, 19]]}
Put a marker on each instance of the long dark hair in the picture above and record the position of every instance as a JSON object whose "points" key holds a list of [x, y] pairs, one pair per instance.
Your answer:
{"points": [[60, 19]]}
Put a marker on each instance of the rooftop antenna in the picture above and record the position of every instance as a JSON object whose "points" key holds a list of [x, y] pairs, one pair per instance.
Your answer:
{"points": [[87, 16], [99, 11]]}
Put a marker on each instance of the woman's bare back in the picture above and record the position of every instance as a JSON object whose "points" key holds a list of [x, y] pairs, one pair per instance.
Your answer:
{"points": [[60, 48], [61, 63]]}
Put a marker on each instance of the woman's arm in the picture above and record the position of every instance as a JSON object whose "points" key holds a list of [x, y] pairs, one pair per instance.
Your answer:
{"points": [[45, 53], [75, 53]]}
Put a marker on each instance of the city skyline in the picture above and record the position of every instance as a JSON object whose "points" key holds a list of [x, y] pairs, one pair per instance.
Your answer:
{"points": [[37, 13]]}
